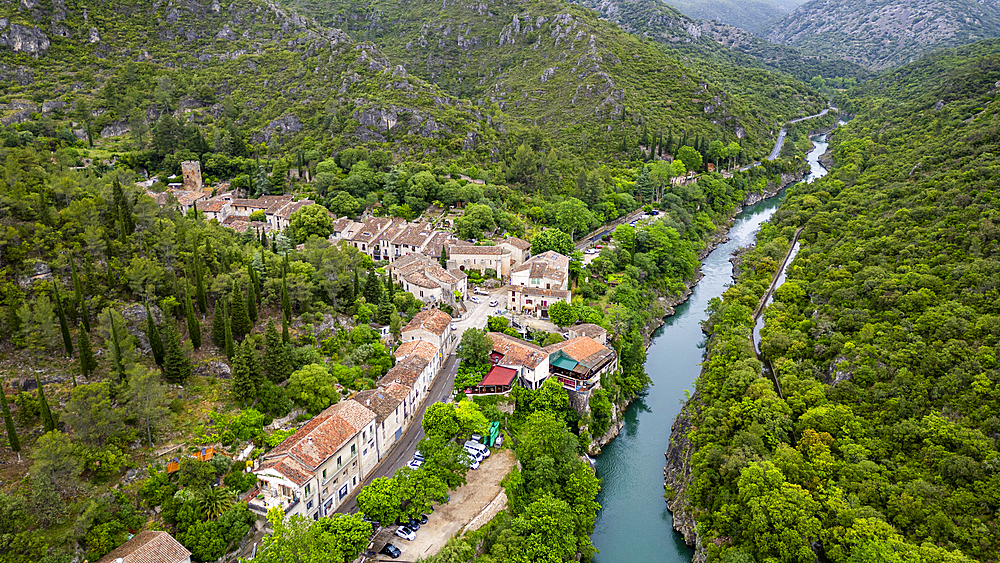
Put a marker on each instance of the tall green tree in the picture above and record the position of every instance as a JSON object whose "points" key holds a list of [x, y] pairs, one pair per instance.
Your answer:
{"points": [[385, 310], [444, 257], [373, 288], [199, 279], [123, 207], [153, 335], [87, 361], [251, 303], [193, 326], [8, 421], [277, 361], [116, 347], [381, 500], [219, 325], [552, 239], [284, 330], [229, 347], [81, 305], [286, 303], [48, 422], [63, 324], [476, 346], [176, 364], [239, 321], [243, 390]]}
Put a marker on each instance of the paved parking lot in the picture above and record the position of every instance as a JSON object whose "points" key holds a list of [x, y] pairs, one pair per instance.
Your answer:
{"points": [[466, 502]]}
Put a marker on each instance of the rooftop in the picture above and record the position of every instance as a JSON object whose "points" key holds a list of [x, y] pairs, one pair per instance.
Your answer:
{"points": [[405, 372], [434, 321], [517, 352], [498, 376], [583, 349], [540, 292], [469, 250], [421, 348], [517, 243], [149, 547], [379, 401]]}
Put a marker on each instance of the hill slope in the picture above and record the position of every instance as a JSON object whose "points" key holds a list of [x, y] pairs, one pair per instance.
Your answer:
{"points": [[280, 76], [881, 34], [750, 15], [555, 65]]}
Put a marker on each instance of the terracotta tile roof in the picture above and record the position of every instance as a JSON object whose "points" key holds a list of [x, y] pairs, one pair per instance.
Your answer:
{"points": [[421, 348], [254, 203], [340, 224], [549, 264], [583, 349], [436, 243], [469, 250], [186, 198], [301, 453], [517, 352], [498, 375], [238, 224], [435, 321], [409, 263], [379, 401], [597, 332], [517, 243], [414, 235], [371, 229], [214, 205], [420, 280], [405, 372], [397, 390], [149, 547], [287, 210]]}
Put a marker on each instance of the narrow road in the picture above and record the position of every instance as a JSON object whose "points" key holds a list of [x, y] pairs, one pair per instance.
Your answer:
{"points": [[402, 452], [607, 227], [780, 142]]}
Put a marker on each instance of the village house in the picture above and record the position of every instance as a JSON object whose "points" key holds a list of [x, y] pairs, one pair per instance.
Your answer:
{"points": [[525, 300], [520, 250], [431, 325], [579, 363], [425, 279], [430, 356], [389, 417], [149, 547], [531, 362], [465, 256], [596, 332], [548, 270], [313, 470]]}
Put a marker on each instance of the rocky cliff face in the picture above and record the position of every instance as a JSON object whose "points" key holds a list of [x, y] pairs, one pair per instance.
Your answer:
{"points": [[23, 38], [677, 477], [881, 34]]}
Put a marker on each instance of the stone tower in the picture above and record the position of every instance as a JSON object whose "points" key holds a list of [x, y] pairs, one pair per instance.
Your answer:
{"points": [[191, 169]]}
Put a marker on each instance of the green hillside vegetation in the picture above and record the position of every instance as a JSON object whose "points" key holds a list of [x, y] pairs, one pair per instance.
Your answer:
{"points": [[881, 442], [244, 70], [882, 34], [557, 66]]}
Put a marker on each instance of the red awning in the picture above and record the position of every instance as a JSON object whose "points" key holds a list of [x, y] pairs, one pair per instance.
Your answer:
{"points": [[498, 376]]}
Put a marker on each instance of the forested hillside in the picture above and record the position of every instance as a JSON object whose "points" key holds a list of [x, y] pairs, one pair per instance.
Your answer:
{"points": [[882, 34], [751, 16], [879, 442], [562, 68]]}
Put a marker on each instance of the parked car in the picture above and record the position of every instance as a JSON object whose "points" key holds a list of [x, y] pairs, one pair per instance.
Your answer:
{"points": [[481, 449], [417, 455], [391, 551], [479, 291], [565, 334], [475, 299], [413, 524], [453, 327], [654, 212], [494, 303], [414, 464], [423, 518], [498, 442], [472, 459], [406, 533], [476, 438]]}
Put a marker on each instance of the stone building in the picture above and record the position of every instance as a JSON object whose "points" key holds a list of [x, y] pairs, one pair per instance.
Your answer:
{"points": [[191, 170]]}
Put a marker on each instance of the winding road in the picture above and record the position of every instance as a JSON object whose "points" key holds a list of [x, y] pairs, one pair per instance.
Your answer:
{"points": [[780, 142]]}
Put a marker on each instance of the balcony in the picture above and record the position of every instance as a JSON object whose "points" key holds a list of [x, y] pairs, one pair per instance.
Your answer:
{"points": [[264, 500]]}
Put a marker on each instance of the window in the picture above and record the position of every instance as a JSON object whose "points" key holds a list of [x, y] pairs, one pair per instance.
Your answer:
{"points": [[324, 473], [528, 301], [339, 462], [308, 487], [309, 505], [544, 303], [354, 449], [364, 435], [355, 464], [364, 452]]}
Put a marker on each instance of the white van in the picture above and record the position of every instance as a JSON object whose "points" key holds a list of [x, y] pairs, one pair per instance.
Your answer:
{"points": [[481, 448]]}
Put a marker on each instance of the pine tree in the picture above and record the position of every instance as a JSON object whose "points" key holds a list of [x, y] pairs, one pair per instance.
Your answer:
{"points": [[63, 325], [176, 365], [444, 257], [48, 422], [199, 278], [277, 362], [242, 388], [219, 325], [193, 326], [357, 288], [390, 288], [153, 335], [251, 304], [116, 348], [8, 421], [121, 203], [239, 321], [230, 350], [286, 303], [87, 361], [255, 281], [385, 310], [284, 331]]}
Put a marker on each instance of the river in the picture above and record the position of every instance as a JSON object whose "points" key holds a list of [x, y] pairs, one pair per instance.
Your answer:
{"points": [[634, 523]]}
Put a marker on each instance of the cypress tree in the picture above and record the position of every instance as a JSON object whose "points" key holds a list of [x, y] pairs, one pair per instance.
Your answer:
{"points": [[286, 303], [373, 288], [87, 361], [194, 327], [390, 288], [8, 421], [63, 325], [199, 278], [48, 422], [153, 335], [239, 321], [176, 365], [242, 388], [284, 331], [229, 339], [444, 257], [116, 347], [78, 295], [357, 288], [251, 303], [385, 310], [255, 282], [219, 326], [277, 363]]}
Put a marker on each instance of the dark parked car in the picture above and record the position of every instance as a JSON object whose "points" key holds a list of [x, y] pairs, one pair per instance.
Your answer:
{"points": [[423, 518], [413, 524], [391, 551]]}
